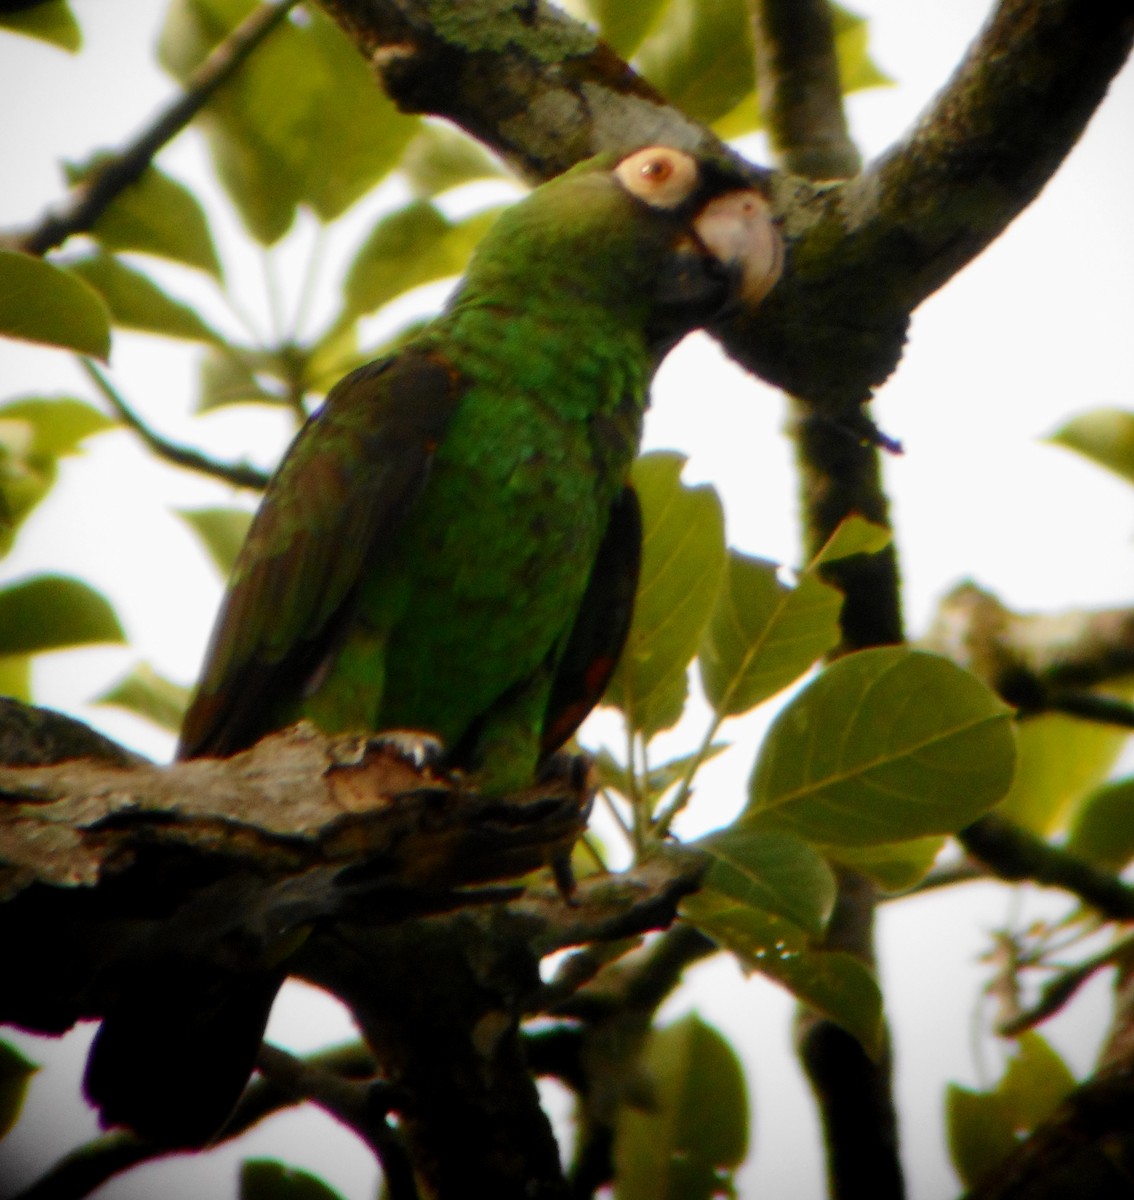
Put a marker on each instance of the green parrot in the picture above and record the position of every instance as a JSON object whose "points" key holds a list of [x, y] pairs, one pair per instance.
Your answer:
{"points": [[450, 544]]}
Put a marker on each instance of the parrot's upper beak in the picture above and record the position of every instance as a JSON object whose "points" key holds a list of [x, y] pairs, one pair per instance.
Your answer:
{"points": [[730, 258]]}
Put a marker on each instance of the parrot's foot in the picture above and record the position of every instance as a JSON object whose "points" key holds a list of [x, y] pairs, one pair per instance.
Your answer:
{"points": [[416, 748]]}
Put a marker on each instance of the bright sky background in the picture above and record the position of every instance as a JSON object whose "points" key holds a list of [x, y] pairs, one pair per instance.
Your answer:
{"points": [[1040, 327]]}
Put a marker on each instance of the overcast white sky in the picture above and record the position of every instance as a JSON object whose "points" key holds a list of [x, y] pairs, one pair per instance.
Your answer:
{"points": [[1037, 329]]}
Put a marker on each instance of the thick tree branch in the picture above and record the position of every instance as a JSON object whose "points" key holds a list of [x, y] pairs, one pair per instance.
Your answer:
{"points": [[95, 194]]}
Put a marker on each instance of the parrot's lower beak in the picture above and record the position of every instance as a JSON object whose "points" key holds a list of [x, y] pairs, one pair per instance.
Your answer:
{"points": [[730, 259]]}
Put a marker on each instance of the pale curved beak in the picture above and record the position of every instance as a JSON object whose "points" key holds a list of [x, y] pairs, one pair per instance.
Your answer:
{"points": [[738, 230]]}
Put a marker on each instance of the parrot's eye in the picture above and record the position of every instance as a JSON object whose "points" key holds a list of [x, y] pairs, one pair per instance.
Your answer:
{"points": [[660, 176]]}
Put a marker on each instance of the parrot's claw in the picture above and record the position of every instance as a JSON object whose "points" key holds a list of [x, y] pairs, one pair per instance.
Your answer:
{"points": [[417, 749]]}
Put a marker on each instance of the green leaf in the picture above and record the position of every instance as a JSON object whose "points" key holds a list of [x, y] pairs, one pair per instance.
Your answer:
{"points": [[415, 245], [700, 56], [695, 1133], [776, 872], [136, 302], [683, 557], [1104, 435], [49, 21], [49, 612], [15, 677], [1034, 1083], [35, 432], [854, 535], [440, 158], [221, 530], [884, 745], [302, 122], [265, 1179], [15, 1075], [155, 215], [624, 24], [1061, 761], [40, 302], [147, 694], [763, 635], [894, 866], [834, 984], [228, 376], [979, 1132], [1103, 832], [59, 423]]}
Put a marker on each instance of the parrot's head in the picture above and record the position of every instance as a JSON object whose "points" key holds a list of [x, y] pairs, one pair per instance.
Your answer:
{"points": [[659, 237]]}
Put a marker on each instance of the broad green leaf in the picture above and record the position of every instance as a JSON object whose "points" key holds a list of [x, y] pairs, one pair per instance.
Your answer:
{"points": [[136, 302], [15, 1074], [58, 423], [894, 866], [156, 215], [854, 535], [624, 23], [49, 21], [884, 745], [1104, 435], [700, 56], [1034, 1084], [15, 677], [302, 122], [834, 984], [34, 433], [979, 1132], [150, 695], [695, 1133], [265, 1179], [1103, 832], [683, 557], [49, 612], [763, 635], [228, 375], [40, 302], [1061, 761], [415, 245], [440, 158], [776, 872], [221, 530]]}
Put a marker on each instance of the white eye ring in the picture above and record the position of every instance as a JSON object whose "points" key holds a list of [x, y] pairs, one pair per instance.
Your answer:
{"points": [[659, 175]]}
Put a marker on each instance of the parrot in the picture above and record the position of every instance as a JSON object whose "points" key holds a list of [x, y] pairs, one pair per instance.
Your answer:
{"points": [[451, 543]]}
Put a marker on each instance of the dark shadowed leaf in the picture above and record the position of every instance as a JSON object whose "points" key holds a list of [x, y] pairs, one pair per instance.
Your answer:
{"points": [[49, 612], [264, 1179], [1034, 1083], [1103, 831], [15, 1074], [147, 694], [136, 302], [221, 531], [694, 1134], [683, 556], [884, 745], [1105, 436], [156, 215], [51, 21], [40, 302]]}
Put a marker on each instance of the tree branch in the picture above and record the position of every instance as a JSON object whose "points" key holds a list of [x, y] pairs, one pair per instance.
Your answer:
{"points": [[238, 474], [97, 192]]}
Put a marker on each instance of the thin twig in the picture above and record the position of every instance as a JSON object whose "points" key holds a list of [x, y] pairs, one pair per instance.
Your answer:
{"points": [[94, 195], [238, 474]]}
